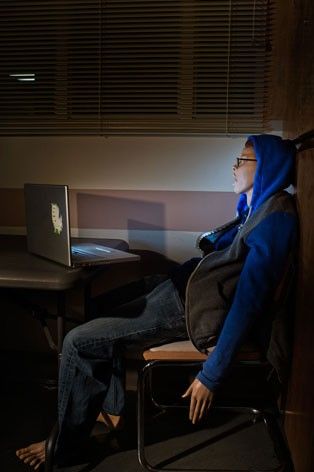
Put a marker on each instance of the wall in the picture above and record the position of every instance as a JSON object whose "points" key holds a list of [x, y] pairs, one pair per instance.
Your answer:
{"points": [[158, 193]]}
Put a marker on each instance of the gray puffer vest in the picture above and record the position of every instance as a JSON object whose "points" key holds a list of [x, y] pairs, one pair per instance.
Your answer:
{"points": [[211, 286]]}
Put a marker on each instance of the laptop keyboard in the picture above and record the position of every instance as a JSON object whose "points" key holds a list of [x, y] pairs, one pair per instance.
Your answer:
{"points": [[97, 251]]}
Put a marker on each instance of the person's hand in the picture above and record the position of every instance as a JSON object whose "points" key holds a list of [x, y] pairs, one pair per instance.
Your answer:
{"points": [[200, 401]]}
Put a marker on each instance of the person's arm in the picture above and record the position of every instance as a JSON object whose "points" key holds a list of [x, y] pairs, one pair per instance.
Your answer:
{"points": [[269, 245]]}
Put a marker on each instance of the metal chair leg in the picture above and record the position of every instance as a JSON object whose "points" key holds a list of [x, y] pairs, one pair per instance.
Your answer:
{"points": [[50, 448], [271, 423], [141, 417]]}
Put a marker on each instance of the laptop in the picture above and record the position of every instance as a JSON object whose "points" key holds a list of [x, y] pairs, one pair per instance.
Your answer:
{"points": [[48, 230]]}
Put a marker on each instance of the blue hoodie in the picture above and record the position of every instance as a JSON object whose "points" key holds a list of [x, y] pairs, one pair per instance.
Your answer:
{"points": [[275, 169], [268, 246]]}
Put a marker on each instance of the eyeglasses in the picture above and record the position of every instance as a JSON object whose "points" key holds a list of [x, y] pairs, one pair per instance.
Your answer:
{"points": [[240, 161]]}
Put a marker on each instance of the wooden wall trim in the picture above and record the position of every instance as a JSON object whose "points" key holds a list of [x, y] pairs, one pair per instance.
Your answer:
{"points": [[299, 418], [293, 66]]}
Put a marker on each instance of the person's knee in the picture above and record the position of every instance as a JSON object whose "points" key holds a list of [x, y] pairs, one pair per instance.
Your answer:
{"points": [[82, 335], [72, 339]]}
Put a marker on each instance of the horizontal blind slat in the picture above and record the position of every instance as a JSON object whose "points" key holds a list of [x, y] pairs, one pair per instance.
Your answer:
{"points": [[125, 66]]}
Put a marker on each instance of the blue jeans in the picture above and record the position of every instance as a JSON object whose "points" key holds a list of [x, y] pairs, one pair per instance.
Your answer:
{"points": [[92, 375]]}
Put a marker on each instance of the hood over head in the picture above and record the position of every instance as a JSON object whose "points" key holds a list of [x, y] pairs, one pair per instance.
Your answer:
{"points": [[274, 171]]}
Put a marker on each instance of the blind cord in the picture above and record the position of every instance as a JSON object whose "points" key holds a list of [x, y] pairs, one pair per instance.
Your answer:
{"points": [[228, 69], [253, 22]]}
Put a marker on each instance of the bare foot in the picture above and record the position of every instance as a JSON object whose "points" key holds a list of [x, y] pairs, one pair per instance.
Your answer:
{"points": [[33, 455], [111, 421]]}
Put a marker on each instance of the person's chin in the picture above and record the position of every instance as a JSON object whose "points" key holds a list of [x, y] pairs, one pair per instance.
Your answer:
{"points": [[236, 190]]}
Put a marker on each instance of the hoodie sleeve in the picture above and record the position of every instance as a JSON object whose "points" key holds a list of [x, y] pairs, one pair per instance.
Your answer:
{"points": [[269, 245]]}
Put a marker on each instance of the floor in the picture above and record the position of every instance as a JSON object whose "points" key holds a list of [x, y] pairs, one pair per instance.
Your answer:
{"points": [[28, 411]]}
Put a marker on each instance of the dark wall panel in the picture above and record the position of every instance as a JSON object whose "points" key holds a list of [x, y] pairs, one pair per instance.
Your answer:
{"points": [[299, 421]]}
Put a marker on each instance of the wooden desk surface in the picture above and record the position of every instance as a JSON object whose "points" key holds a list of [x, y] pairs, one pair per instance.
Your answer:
{"points": [[19, 269]]}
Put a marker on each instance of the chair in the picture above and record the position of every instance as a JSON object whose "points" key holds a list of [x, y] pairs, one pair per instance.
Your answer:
{"points": [[185, 354]]}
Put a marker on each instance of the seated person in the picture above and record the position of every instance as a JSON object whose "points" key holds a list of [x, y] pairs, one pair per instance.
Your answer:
{"points": [[228, 292]]}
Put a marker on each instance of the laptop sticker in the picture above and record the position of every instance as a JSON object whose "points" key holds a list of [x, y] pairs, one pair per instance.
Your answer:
{"points": [[56, 218]]}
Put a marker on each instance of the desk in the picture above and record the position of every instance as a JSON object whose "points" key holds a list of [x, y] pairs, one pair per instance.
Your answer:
{"points": [[21, 270]]}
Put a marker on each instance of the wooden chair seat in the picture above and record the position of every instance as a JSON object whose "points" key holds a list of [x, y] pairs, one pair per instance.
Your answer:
{"points": [[186, 351]]}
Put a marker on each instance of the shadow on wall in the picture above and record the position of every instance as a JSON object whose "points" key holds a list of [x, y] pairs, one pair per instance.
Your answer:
{"points": [[102, 212]]}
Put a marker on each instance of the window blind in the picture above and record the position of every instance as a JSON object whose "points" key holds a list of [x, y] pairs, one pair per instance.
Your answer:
{"points": [[80, 67]]}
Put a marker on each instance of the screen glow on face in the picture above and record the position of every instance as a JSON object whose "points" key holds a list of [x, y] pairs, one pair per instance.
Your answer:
{"points": [[244, 171]]}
